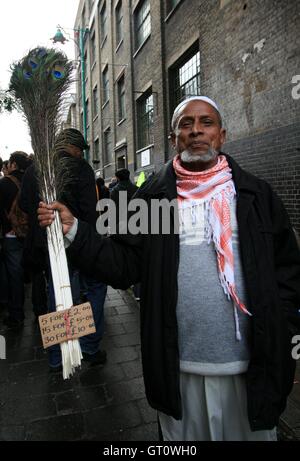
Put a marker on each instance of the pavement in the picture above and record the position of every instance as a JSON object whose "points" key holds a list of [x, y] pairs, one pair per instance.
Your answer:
{"points": [[100, 403]]}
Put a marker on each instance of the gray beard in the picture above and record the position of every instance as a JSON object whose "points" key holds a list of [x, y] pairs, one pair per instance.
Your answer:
{"points": [[187, 157]]}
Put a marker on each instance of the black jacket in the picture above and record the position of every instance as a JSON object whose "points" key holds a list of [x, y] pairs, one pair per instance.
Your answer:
{"points": [[8, 192], [123, 186], [79, 195], [271, 264]]}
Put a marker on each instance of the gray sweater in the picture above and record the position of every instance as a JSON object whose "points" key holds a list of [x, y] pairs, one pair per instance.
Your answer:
{"points": [[207, 336]]}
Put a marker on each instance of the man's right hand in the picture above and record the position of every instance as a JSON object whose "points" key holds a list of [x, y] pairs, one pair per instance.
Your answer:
{"points": [[46, 215]]}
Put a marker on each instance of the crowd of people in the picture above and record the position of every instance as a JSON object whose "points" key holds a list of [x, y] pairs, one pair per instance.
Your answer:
{"points": [[24, 255]]}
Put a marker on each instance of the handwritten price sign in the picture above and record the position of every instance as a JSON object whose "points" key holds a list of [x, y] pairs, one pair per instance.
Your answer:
{"points": [[69, 324]]}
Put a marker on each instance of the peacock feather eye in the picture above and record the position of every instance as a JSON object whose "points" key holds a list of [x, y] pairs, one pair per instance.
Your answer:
{"points": [[41, 53], [33, 63], [27, 75], [58, 72]]}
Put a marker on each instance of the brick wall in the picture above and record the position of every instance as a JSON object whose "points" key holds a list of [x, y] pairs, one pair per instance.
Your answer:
{"points": [[275, 157], [249, 54]]}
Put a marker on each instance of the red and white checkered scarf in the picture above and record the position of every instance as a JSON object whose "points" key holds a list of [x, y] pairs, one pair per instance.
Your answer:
{"points": [[216, 188]]}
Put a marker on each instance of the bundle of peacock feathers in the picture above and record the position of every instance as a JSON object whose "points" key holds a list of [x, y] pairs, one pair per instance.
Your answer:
{"points": [[39, 83]]}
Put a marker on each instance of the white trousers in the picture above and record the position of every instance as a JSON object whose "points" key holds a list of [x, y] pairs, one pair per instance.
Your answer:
{"points": [[214, 409]]}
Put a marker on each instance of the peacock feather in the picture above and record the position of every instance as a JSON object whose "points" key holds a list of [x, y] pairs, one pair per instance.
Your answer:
{"points": [[39, 83]]}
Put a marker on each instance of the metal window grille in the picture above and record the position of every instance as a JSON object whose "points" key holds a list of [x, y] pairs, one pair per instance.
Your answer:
{"points": [[186, 79], [145, 111], [143, 23]]}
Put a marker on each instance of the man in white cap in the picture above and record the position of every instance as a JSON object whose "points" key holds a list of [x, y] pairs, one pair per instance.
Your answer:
{"points": [[218, 299]]}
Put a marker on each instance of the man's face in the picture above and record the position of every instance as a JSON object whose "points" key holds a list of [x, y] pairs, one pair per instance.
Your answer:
{"points": [[198, 135]]}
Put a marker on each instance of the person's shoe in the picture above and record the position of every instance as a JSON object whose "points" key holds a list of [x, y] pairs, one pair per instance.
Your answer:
{"points": [[99, 358], [12, 323]]}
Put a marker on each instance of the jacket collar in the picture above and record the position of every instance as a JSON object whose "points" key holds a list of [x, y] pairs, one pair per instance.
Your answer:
{"points": [[243, 180], [164, 182]]}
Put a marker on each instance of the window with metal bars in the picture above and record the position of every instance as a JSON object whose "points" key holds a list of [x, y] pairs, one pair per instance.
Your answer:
{"points": [[185, 79], [142, 23], [145, 111]]}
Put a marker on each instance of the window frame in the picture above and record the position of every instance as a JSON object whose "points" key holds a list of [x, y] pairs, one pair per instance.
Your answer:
{"points": [[105, 85], [93, 48], [140, 39], [96, 151], [103, 23], [171, 5], [95, 102], [178, 91], [87, 109], [107, 136], [145, 125], [121, 98], [119, 22]]}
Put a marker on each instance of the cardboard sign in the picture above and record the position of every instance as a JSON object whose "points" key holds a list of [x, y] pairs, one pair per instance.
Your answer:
{"points": [[58, 327]]}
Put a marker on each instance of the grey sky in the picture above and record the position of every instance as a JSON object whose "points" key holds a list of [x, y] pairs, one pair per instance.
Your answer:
{"points": [[25, 25]]}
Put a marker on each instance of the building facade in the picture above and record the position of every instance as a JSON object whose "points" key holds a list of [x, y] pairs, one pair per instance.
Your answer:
{"points": [[144, 56]]}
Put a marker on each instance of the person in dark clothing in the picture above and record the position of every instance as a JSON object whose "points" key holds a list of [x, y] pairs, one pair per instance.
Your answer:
{"points": [[4, 168], [35, 243], [123, 185], [112, 184], [219, 293], [80, 196], [121, 195], [12, 246], [102, 190]]}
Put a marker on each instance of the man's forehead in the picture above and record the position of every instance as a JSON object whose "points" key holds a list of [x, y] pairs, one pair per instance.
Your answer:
{"points": [[196, 108]]}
